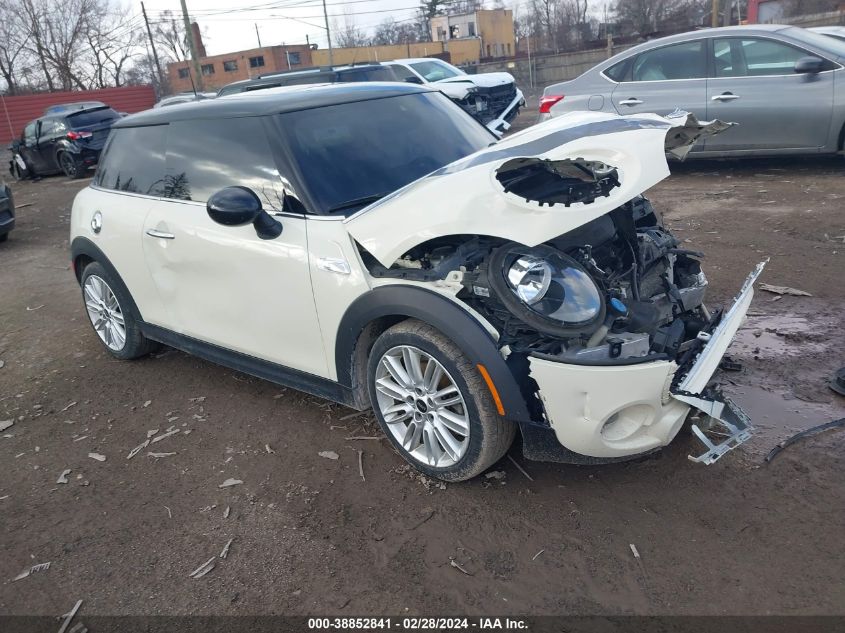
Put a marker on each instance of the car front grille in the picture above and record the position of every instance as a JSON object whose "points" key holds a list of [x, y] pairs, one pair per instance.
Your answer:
{"points": [[498, 98]]}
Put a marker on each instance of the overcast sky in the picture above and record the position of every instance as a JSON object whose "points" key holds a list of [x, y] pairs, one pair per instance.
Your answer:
{"points": [[229, 25]]}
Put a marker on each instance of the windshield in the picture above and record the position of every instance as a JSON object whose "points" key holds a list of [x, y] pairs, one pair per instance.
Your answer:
{"points": [[351, 154], [435, 70], [825, 43], [88, 118]]}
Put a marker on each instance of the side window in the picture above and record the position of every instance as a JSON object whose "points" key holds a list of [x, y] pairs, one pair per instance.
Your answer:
{"points": [[48, 129], [751, 57], [620, 72], [29, 133], [134, 161], [678, 61], [245, 159], [404, 73]]}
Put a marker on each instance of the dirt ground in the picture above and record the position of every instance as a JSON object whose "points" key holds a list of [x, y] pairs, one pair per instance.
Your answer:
{"points": [[310, 537]]}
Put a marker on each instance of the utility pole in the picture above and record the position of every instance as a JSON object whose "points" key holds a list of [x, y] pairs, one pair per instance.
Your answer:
{"points": [[192, 45], [714, 17], [328, 33], [258, 35], [153, 47]]}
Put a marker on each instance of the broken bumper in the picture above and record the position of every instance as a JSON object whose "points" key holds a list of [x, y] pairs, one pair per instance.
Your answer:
{"points": [[624, 410], [502, 122]]}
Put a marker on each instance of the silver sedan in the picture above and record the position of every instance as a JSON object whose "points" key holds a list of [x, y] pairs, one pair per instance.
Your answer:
{"points": [[784, 86]]}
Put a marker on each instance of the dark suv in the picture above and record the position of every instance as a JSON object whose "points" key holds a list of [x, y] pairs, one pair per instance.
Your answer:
{"points": [[67, 139], [317, 75]]}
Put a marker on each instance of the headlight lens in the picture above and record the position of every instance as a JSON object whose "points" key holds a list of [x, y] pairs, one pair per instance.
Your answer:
{"points": [[546, 289], [530, 277]]}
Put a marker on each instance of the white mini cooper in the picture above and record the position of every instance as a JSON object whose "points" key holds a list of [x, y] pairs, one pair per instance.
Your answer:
{"points": [[374, 245]]}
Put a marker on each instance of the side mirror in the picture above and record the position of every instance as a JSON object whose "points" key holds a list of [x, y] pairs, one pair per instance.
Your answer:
{"points": [[237, 206], [809, 65], [413, 80]]}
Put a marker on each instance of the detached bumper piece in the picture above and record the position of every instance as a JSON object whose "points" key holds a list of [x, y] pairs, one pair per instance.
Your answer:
{"points": [[724, 420]]}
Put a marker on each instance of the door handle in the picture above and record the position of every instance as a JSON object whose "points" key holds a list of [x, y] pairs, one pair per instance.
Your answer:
{"points": [[725, 96], [630, 102], [160, 234]]}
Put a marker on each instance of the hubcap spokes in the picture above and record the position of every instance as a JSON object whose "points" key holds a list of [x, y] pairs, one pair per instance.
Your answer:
{"points": [[422, 406], [105, 313]]}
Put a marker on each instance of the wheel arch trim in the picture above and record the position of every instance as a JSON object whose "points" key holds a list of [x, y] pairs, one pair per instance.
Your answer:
{"points": [[402, 302], [83, 247]]}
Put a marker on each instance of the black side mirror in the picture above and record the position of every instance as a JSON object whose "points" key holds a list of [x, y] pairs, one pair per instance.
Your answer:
{"points": [[413, 80], [809, 65], [237, 206]]}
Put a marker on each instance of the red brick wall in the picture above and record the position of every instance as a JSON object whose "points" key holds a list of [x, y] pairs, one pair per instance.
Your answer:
{"points": [[21, 110]]}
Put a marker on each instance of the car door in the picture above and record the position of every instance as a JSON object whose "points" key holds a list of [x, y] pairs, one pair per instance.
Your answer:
{"points": [[755, 86], [125, 186], [48, 137], [664, 79], [29, 147], [223, 284]]}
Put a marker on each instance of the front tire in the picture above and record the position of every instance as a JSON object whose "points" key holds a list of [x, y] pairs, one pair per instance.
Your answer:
{"points": [[109, 312], [433, 404]]}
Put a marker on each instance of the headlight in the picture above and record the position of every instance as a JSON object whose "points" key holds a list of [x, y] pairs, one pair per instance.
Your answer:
{"points": [[546, 289]]}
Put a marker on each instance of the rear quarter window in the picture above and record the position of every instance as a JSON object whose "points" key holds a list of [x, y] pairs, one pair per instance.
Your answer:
{"points": [[133, 161]]}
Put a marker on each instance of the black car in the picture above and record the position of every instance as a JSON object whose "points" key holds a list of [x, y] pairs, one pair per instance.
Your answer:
{"points": [[7, 211], [66, 139], [317, 75]]}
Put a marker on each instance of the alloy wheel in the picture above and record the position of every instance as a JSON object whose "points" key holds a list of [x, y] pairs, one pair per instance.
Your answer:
{"points": [[105, 313], [422, 406], [68, 164]]}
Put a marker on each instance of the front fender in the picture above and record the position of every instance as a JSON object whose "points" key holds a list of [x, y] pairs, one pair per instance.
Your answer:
{"points": [[441, 313]]}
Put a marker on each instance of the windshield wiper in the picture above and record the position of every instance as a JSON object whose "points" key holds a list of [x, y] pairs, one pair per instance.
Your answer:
{"points": [[357, 202]]}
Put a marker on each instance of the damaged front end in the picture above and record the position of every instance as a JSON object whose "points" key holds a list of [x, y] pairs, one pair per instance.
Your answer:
{"points": [[574, 271]]}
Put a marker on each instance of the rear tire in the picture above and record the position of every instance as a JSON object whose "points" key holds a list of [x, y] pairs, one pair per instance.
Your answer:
{"points": [[109, 310], [433, 404], [71, 167], [4, 237]]}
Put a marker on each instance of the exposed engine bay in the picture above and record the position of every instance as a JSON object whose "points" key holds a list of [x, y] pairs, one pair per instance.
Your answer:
{"points": [[618, 289]]}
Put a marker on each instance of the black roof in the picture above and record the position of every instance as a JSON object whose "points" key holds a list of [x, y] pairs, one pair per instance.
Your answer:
{"points": [[271, 101]]}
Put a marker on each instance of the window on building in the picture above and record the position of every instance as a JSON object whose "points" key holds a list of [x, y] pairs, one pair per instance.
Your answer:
{"points": [[471, 29], [294, 59], [195, 174], [230, 66], [184, 73], [256, 62], [488, 51], [208, 69], [509, 49]]}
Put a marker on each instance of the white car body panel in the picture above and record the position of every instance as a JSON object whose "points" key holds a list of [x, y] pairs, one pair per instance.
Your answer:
{"points": [[123, 215], [466, 198], [210, 277]]}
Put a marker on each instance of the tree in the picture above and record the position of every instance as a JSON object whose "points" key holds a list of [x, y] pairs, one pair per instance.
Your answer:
{"points": [[347, 34], [14, 54], [389, 31]]}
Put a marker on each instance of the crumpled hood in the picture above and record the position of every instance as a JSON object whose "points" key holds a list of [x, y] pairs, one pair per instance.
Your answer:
{"points": [[484, 80], [465, 197]]}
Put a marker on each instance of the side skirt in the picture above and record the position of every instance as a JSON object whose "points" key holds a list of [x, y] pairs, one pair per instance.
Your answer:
{"points": [[279, 374]]}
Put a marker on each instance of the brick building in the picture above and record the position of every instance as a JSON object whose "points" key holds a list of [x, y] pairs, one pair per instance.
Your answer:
{"points": [[219, 70]]}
